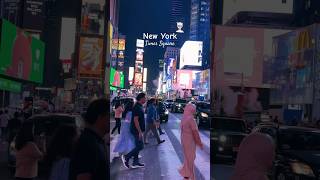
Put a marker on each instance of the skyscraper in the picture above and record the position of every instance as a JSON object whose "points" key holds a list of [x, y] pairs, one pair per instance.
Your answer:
{"points": [[180, 13], [200, 27]]}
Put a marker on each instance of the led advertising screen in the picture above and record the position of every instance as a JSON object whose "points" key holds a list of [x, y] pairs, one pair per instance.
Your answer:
{"points": [[120, 66], [22, 56], [116, 78], [92, 17], [231, 8], [191, 54], [139, 67], [145, 74], [33, 14], [90, 59], [131, 74], [184, 79], [122, 44], [138, 79], [139, 55]]}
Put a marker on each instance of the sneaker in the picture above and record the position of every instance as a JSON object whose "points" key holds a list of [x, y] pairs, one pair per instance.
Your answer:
{"points": [[137, 165], [162, 141], [139, 156], [125, 162]]}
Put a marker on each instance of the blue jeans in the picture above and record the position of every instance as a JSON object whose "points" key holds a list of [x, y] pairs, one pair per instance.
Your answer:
{"points": [[135, 152]]}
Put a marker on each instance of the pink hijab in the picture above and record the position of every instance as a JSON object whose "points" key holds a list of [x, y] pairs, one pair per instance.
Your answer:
{"points": [[255, 157], [189, 111]]}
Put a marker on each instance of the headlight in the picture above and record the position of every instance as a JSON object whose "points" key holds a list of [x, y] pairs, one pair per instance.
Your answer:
{"points": [[179, 105], [204, 115], [302, 169], [222, 138]]}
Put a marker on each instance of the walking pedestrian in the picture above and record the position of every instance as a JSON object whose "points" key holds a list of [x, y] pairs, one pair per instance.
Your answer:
{"points": [[137, 128], [28, 153], [60, 150], [189, 139], [126, 140], [152, 117], [159, 109], [255, 157], [118, 115], [89, 160]]}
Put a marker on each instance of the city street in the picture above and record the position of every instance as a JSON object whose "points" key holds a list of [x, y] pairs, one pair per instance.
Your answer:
{"points": [[162, 161]]}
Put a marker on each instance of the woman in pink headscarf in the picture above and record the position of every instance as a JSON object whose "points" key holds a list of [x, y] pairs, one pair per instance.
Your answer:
{"points": [[255, 157], [189, 139]]}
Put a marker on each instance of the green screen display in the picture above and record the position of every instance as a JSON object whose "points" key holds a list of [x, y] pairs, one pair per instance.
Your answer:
{"points": [[9, 85], [116, 78], [22, 56]]}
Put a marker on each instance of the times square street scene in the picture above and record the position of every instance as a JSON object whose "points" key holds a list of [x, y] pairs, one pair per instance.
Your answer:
{"points": [[172, 89]]}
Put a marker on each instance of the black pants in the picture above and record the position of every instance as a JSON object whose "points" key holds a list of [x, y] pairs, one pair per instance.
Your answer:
{"points": [[118, 125], [135, 152]]}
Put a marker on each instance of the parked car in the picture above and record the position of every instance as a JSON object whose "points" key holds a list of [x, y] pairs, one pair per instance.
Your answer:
{"points": [[168, 103], [163, 112], [178, 105], [46, 124], [297, 152], [204, 114], [226, 135]]}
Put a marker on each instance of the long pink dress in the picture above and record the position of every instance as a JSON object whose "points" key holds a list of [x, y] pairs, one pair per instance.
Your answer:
{"points": [[188, 142]]}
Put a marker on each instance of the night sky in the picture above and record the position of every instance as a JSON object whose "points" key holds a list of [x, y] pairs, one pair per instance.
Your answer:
{"points": [[144, 16]]}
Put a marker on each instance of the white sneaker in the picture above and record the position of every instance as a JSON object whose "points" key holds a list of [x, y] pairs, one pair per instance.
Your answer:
{"points": [[139, 156]]}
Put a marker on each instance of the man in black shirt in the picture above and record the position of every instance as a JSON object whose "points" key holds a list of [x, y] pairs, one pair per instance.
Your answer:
{"points": [[89, 161], [137, 129]]}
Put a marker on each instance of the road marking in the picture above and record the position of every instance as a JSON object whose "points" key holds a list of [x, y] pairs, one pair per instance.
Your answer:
{"points": [[169, 160], [202, 161]]}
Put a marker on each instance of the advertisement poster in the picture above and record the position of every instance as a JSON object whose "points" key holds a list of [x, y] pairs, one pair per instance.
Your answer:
{"points": [[139, 55], [33, 14], [92, 17], [22, 56], [292, 68], [120, 66], [138, 79], [90, 59], [122, 45], [139, 67], [116, 78], [10, 10]]}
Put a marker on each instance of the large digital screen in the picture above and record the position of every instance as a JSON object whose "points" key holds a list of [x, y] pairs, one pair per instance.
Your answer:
{"points": [[184, 79], [116, 78], [138, 79], [22, 56], [92, 17], [231, 8], [191, 54], [90, 60]]}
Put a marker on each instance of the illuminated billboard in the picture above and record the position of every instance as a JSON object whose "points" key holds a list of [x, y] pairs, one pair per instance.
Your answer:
{"points": [[22, 56], [122, 44], [90, 59], [140, 43], [139, 55], [139, 67], [138, 79], [131, 74], [116, 78], [191, 54], [92, 17], [184, 79], [145, 74]]}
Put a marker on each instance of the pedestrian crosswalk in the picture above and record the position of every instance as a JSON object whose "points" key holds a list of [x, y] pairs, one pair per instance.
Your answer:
{"points": [[162, 161]]}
